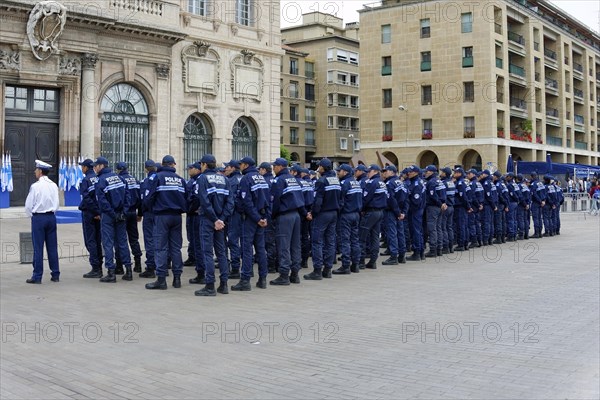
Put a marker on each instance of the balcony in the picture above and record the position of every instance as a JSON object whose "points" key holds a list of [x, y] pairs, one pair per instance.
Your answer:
{"points": [[581, 145], [578, 94], [387, 137], [516, 38], [467, 62], [309, 142], [552, 84], [516, 70], [469, 133], [425, 65], [554, 141], [427, 134], [579, 120], [294, 140], [499, 63], [518, 103], [538, 139], [551, 112], [498, 28], [577, 67], [293, 71], [311, 120], [550, 54], [520, 136], [309, 74], [386, 70], [425, 32]]}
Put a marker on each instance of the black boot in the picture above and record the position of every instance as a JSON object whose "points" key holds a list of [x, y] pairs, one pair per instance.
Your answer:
{"points": [[361, 264], [342, 271], [497, 241], [451, 248], [223, 288], [119, 268], [262, 283], [327, 273], [294, 277], [189, 262], [110, 277], [354, 268], [393, 260], [94, 273], [281, 280], [304, 264], [460, 248], [526, 236], [445, 250], [431, 254], [386, 253], [176, 281], [416, 256], [242, 286], [537, 235], [440, 252], [148, 273], [316, 275], [208, 290], [198, 280], [371, 265], [402, 258], [137, 264], [234, 274], [159, 284], [128, 276]]}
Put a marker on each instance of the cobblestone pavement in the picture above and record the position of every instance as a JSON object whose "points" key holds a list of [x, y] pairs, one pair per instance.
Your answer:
{"points": [[511, 321]]}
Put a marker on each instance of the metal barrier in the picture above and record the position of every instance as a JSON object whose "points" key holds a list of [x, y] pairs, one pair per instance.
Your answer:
{"points": [[578, 202]]}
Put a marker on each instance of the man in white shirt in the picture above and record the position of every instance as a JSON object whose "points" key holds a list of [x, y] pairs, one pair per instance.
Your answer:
{"points": [[41, 204]]}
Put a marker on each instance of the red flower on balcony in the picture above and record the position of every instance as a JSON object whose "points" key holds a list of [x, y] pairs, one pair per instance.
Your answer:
{"points": [[538, 139], [387, 138], [501, 133], [427, 134]]}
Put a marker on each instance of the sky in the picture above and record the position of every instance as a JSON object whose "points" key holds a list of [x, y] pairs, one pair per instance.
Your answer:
{"points": [[586, 11]]}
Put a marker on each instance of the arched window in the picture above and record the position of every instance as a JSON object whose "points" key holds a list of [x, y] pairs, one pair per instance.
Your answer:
{"points": [[124, 127], [244, 139], [197, 138]]}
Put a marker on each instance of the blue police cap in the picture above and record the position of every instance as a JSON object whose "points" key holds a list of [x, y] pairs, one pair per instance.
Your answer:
{"points": [[101, 161], [265, 165], [220, 169], [405, 171], [208, 158], [448, 171], [248, 160], [497, 174], [310, 171], [374, 167], [413, 168], [121, 165], [233, 163], [325, 163], [149, 164], [391, 168], [168, 160], [460, 170], [345, 167], [520, 177], [282, 162], [431, 168], [472, 171], [362, 168], [510, 175], [157, 165], [534, 174], [87, 163], [485, 172], [296, 168], [305, 171], [194, 165]]}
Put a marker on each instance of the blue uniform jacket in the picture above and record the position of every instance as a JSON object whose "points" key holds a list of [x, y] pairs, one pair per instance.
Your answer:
{"points": [[214, 195], [166, 193], [392, 203], [400, 192], [435, 191], [450, 191], [253, 197], [538, 191], [87, 190], [416, 194], [375, 194], [234, 182], [308, 192], [328, 193], [351, 195], [192, 200], [463, 194], [286, 194], [551, 195], [502, 190], [144, 191], [110, 193], [490, 193], [476, 197], [560, 198], [514, 192], [525, 195], [133, 187]]}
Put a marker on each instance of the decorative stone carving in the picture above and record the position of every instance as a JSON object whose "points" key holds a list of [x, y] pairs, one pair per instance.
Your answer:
{"points": [[89, 60], [216, 25], [247, 75], [248, 56], [187, 19], [234, 29], [202, 47], [10, 60], [162, 70], [46, 23], [259, 34], [69, 66], [201, 68]]}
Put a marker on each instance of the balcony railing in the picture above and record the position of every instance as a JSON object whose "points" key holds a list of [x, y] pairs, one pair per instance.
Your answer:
{"points": [[387, 137], [425, 32], [579, 119], [581, 145], [569, 143], [467, 62], [386, 70], [309, 74], [518, 103], [309, 141], [293, 71], [515, 37], [538, 139], [554, 141], [578, 67], [425, 65], [515, 69], [578, 93], [427, 134], [550, 54], [311, 120], [469, 133], [551, 112], [498, 28], [520, 136], [551, 83], [499, 63]]}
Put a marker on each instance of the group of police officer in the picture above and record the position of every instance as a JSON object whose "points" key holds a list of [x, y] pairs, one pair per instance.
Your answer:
{"points": [[279, 216]]}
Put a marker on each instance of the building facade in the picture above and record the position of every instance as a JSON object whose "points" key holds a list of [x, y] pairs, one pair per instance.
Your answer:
{"points": [[472, 82], [139, 79], [334, 53]]}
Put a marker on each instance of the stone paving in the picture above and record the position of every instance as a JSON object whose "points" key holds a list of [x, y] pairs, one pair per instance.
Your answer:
{"points": [[509, 322]]}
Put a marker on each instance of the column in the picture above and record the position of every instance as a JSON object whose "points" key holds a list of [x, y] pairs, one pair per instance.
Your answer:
{"points": [[89, 97]]}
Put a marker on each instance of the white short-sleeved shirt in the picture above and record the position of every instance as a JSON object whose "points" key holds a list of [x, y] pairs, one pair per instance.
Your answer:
{"points": [[42, 197]]}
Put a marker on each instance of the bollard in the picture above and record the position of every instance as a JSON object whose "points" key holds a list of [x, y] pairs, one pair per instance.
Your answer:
{"points": [[26, 247]]}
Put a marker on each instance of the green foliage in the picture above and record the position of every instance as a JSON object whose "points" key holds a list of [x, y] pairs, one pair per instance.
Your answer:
{"points": [[285, 153]]}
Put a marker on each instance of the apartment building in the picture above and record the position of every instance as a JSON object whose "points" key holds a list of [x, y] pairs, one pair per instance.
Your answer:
{"points": [[333, 113], [471, 82]]}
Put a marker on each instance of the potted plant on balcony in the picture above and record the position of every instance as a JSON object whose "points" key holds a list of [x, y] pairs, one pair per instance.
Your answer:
{"points": [[527, 127], [500, 131], [427, 134], [386, 138]]}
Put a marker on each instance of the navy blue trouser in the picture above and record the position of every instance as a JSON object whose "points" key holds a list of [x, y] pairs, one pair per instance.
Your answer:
{"points": [[43, 230], [349, 225], [288, 242], [271, 244], [511, 220], [189, 233], [370, 229], [234, 231], [323, 239], [211, 239], [114, 238], [305, 239], [168, 240], [536, 214], [434, 227], [462, 225], [415, 221], [487, 223], [548, 223], [448, 227], [195, 244], [521, 212], [148, 229], [133, 235], [474, 225], [394, 229], [253, 238], [556, 219], [499, 216], [92, 238]]}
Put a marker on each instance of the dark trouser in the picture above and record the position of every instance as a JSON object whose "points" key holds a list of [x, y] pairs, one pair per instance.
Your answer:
{"points": [[253, 237], [305, 239], [511, 220], [323, 239], [234, 230], [190, 233], [288, 242], [43, 230], [348, 238], [271, 244], [527, 221], [92, 238], [167, 243], [390, 229], [133, 234], [548, 223], [448, 227], [499, 216], [487, 223], [209, 239], [148, 228], [536, 214], [370, 229], [521, 212], [434, 227], [195, 245], [114, 238], [415, 220], [556, 218], [474, 225], [462, 225]]}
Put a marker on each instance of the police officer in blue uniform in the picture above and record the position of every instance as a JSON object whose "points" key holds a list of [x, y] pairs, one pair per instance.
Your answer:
{"points": [[90, 218], [253, 203], [560, 200], [523, 209], [538, 201], [40, 205], [514, 195], [168, 200], [233, 226], [391, 214], [349, 221], [194, 221], [490, 205], [448, 215], [148, 220], [193, 172], [265, 169], [132, 215], [435, 200], [462, 208], [502, 209], [324, 214], [416, 199], [216, 207], [287, 210], [113, 201], [375, 197], [550, 206], [477, 207], [360, 174], [308, 195]]}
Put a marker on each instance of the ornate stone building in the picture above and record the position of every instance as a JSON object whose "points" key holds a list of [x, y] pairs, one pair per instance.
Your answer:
{"points": [[138, 79]]}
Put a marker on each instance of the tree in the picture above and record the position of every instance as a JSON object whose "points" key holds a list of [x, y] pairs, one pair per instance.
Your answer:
{"points": [[285, 153]]}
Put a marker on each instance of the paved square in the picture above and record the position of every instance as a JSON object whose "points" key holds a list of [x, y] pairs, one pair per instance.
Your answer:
{"points": [[511, 321]]}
